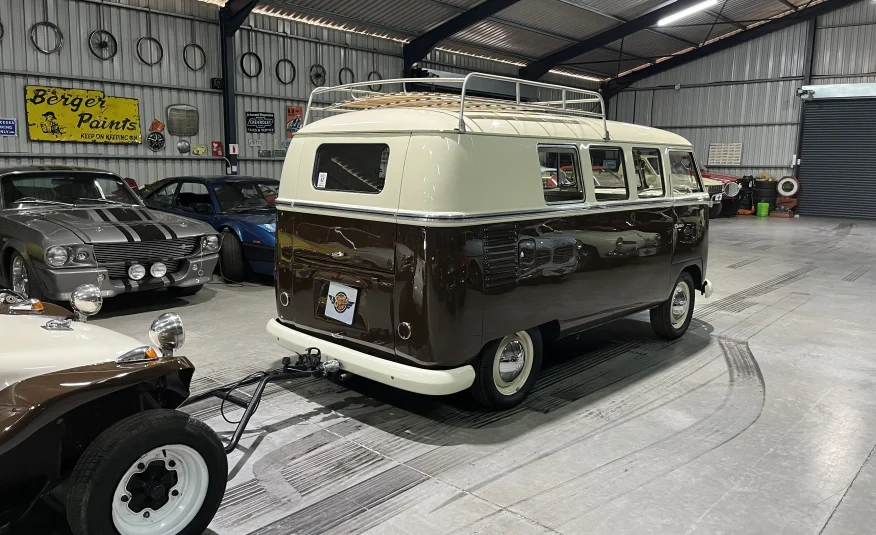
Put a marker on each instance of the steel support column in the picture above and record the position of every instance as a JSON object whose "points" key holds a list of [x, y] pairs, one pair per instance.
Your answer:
{"points": [[808, 54], [231, 16]]}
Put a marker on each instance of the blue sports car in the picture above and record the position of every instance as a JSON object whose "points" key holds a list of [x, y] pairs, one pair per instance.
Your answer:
{"points": [[241, 208]]}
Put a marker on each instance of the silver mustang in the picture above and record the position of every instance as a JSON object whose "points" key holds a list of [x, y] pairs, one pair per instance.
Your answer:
{"points": [[61, 227]]}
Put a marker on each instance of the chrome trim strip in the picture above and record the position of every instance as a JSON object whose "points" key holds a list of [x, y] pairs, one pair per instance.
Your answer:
{"points": [[569, 209]]}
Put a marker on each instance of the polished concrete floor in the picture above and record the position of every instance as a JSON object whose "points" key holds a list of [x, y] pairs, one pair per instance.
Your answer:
{"points": [[761, 420]]}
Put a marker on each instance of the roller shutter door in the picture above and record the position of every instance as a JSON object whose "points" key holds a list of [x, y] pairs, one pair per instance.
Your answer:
{"points": [[838, 159]]}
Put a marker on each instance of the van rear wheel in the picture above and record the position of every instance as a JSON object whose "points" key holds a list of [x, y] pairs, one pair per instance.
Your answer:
{"points": [[507, 369], [671, 319]]}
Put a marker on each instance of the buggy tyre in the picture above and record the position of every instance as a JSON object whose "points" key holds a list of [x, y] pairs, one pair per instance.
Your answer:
{"points": [[671, 319], [231, 262], [507, 369], [158, 472], [185, 291]]}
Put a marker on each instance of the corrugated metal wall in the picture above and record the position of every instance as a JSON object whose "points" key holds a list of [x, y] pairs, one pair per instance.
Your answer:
{"points": [[748, 93], [176, 23]]}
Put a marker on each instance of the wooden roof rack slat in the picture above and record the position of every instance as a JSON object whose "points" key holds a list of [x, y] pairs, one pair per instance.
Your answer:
{"points": [[361, 97]]}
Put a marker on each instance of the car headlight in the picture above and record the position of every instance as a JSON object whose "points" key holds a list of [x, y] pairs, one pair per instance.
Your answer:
{"points": [[167, 333], [56, 256], [732, 189], [210, 244]]}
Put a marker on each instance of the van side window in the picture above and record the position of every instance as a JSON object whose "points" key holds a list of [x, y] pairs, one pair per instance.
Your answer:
{"points": [[352, 167], [649, 173], [609, 174], [560, 174], [683, 173]]}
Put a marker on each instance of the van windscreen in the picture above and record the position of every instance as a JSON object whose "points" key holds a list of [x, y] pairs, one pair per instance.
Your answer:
{"points": [[352, 167]]}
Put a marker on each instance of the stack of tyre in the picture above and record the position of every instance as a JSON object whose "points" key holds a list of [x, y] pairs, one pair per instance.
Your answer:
{"points": [[765, 191]]}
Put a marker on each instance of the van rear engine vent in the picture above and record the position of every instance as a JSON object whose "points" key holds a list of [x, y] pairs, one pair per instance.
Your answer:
{"points": [[500, 257]]}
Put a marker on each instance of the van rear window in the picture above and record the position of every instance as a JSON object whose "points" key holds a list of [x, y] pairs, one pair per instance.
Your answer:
{"points": [[352, 167]]}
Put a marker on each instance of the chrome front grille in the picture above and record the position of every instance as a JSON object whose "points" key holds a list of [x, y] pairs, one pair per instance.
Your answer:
{"points": [[116, 258], [714, 190], [144, 251]]}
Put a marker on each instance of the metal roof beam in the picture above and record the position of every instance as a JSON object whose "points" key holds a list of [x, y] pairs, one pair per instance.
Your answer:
{"points": [[417, 49], [595, 11], [723, 19], [617, 85], [234, 12], [540, 67], [790, 5]]}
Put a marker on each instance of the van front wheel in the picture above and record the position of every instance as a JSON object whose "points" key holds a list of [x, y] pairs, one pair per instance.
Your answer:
{"points": [[507, 369], [671, 319]]}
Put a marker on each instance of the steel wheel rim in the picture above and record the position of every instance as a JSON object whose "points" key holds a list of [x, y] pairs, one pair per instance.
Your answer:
{"points": [[680, 304], [192, 481], [512, 363], [20, 279]]}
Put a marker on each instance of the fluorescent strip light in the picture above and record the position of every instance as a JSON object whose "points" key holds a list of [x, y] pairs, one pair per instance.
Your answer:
{"points": [[687, 12]]}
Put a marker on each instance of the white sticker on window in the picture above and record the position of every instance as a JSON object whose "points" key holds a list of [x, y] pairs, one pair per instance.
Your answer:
{"points": [[320, 180]]}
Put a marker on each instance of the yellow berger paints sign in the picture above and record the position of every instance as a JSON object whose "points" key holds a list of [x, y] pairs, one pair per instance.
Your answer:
{"points": [[80, 116]]}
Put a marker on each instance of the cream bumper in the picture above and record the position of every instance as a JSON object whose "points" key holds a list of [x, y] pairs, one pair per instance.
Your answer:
{"points": [[410, 378]]}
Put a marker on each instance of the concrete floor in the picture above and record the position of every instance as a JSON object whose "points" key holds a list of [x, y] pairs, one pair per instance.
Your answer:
{"points": [[761, 420]]}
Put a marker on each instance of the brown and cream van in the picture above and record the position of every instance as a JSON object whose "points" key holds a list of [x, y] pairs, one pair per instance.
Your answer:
{"points": [[435, 242]]}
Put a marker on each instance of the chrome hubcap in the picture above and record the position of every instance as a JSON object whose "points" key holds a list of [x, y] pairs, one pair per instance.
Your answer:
{"points": [[511, 361], [19, 276], [680, 304]]}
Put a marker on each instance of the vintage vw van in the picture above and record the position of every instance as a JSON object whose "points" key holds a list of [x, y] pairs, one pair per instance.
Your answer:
{"points": [[435, 242]]}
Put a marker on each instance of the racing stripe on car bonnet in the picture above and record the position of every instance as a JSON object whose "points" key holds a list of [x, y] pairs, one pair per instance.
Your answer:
{"points": [[106, 217], [131, 217]]}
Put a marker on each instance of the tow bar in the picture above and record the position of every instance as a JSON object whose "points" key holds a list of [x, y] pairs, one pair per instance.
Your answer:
{"points": [[308, 365]]}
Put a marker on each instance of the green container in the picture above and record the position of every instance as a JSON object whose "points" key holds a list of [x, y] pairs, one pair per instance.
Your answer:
{"points": [[763, 209]]}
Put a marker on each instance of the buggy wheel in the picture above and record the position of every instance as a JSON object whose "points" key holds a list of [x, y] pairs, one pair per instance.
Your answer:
{"points": [[157, 472]]}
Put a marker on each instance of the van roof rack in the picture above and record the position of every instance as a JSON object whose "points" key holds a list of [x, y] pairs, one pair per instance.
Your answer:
{"points": [[361, 96]]}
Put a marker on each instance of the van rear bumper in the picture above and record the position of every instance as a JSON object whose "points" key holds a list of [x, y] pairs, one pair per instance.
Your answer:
{"points": [[410, 378]]}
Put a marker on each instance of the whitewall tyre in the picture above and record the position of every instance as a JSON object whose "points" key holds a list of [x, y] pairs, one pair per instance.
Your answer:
{"points": [[507, 369], [672, 318], [158, 472]]}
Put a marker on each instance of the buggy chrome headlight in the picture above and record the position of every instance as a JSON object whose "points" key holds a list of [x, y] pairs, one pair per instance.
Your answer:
{"points": [[210, 244], [57, 256], [167, 333]]}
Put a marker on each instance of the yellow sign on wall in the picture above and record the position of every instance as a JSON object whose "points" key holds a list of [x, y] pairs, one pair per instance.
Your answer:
{"points": [[80, 116]]}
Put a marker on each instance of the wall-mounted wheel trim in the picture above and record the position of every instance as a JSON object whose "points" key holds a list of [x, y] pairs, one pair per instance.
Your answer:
{"points": [[59, 37], [180, 461], [672, 318], [149, 41], [285, 80], [102, 44], [317, 75], [250, 72], [348, 73], [374, 76], [507, 369], [199, 59]]}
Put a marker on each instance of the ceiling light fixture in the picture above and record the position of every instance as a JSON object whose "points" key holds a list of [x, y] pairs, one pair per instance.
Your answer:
{"points": [[687, 12]]}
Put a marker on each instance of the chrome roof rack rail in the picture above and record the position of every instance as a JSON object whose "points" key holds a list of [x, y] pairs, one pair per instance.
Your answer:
{"points": [[360, 96]]}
